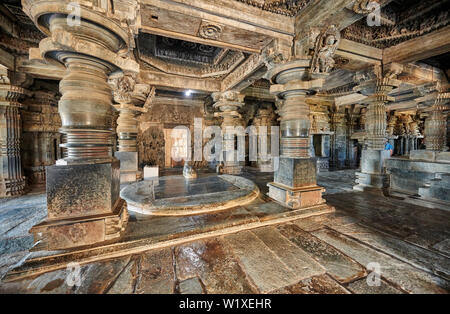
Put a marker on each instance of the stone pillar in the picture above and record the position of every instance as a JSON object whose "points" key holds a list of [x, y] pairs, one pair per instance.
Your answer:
{"points": [[83, 203], [338, 140], [229, 103], [264, 119], [373, 175], [12, 181], [350, 160], [127, 131], [294, 183], [436, 124], [41, 123]]}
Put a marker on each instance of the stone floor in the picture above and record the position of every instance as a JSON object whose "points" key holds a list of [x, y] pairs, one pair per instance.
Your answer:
{"points": [[332, 253]]}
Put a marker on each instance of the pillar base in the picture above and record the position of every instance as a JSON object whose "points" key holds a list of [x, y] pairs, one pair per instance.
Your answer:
{"points": [[372, 175], [83, 206], [296, 198], [12, 187], [295, 184], [75, 232], [369, 181], [128, 166]]}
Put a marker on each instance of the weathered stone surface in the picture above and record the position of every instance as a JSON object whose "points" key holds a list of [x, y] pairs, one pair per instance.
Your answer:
{"points": [[338, 265], [100, 277], [400, 273], [191, 286], [412, 254], [361, 287], [294, 258], [155, 272], [321, 284], [214, 264], [296, 173]]}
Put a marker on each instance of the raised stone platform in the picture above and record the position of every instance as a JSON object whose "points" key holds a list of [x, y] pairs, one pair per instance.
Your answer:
{"points": [[147, 232], [419, 177], [178, 196]]}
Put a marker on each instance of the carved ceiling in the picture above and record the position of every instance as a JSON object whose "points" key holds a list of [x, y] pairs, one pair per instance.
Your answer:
{"points": [[17, 32], [403, 20], [283, 7], [186, 58]]}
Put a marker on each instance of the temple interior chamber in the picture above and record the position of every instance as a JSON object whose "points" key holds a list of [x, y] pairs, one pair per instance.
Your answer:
{"points": [[226, 146]]}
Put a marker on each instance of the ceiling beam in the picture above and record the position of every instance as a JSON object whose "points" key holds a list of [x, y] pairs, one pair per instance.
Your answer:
{"points": [[178, 82], [420, 48]]}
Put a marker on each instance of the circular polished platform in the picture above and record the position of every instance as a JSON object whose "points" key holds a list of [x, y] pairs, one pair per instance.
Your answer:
{"points": [[178, 196]]}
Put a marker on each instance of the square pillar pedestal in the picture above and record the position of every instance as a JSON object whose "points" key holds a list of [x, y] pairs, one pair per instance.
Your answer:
{"points": [[295, 185], [129, 171], [83, 205], [373, 174]]}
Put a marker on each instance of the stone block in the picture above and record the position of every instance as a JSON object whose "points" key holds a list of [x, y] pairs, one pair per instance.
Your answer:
{"points": [[82, 190], [422, 155], [443, 157], [128, 161], [296, 198], [296, 173], [151, 172], [372, 161]]}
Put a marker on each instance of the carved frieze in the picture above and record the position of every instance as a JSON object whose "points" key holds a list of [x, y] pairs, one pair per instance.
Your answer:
{"points": [[410, 23], [283, 7]]}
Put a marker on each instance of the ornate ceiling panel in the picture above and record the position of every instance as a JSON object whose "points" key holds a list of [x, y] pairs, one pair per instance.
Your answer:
{"points": [[420, 18], [186, 58], [184, 51], [283, 7]]}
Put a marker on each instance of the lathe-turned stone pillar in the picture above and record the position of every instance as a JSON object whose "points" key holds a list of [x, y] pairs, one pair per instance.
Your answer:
{"points": [[436, 124], [12, 181], [127, 128], [229, 103], [263, 123], [83, 202], [127, 131], [295, 185], [373, 175], [41, 139]]}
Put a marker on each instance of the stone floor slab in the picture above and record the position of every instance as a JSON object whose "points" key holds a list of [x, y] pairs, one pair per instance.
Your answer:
{"points": [[266, 270], [404, 275], [339, 266], [214, 264], [292, 256]]}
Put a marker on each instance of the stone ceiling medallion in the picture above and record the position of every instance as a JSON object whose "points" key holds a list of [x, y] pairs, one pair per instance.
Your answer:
{"points": [[210, 30]]}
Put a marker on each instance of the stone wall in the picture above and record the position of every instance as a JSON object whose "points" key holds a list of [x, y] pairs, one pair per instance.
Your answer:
{"points": [[151, 138]]}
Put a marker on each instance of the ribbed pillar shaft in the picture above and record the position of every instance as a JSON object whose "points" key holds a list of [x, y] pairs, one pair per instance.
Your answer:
{"points": [[127, 130], [436, 125], [85, 108], [295, 125], [376, 115], [228, 103], [12, 181]]}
